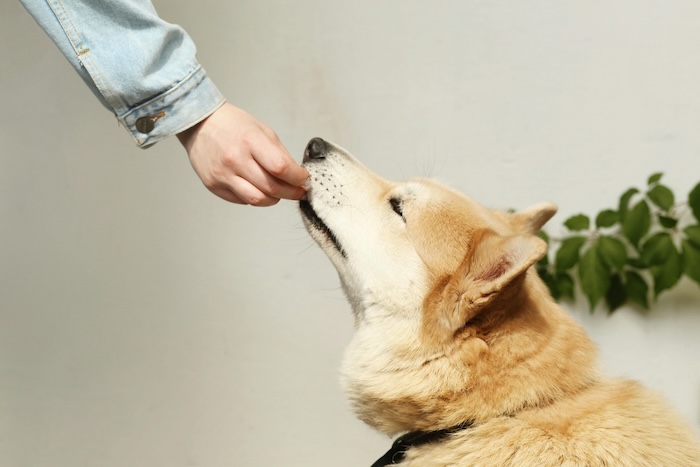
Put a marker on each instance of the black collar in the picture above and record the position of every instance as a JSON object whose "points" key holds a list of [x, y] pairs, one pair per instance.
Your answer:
{"points": [[416, 438]]}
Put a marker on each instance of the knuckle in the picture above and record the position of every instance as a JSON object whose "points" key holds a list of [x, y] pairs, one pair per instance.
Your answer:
{"points": [[229, 158], [259, 199], [273, 136], [209, 179], [279, 166], [248, 137], [254, 200], [216, 174], [252, 196]]}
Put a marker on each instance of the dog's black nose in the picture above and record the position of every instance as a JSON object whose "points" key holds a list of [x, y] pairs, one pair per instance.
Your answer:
{"points": [[316, 149]]}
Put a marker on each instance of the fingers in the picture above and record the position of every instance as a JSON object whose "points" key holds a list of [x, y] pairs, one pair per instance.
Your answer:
{"points": [[275, 160], [248, 193], [269, 167], [226, 194], [241, 160], [246, 182], [243, 192], [254, 185]]}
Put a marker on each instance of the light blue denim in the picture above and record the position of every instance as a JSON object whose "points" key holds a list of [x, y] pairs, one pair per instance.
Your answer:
{"points": [[135, 63]]}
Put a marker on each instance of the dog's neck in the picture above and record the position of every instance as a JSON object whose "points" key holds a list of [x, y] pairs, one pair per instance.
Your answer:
{"points": [[485, 375]]}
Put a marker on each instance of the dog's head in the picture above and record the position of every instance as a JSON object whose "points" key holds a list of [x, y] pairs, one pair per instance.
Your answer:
{"points": [[432, 278]]}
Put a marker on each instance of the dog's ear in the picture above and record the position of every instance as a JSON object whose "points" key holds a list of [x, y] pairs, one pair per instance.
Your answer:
{"points": [[533, 218], [491, 266]]}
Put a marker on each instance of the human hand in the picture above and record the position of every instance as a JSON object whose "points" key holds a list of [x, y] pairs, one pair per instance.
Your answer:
{"points": [[242, 160]]}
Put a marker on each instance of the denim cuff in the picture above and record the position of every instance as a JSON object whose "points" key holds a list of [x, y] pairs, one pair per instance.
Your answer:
{"points": [[181, 107]]}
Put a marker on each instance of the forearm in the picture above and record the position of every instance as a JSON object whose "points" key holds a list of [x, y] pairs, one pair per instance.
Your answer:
{"points": [[140, 67]]}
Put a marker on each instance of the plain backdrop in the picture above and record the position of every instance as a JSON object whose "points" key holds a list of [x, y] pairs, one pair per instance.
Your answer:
{"points": [[145, 322]]}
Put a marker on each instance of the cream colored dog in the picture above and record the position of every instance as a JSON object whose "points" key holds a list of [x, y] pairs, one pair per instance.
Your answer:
{"points": [[459, 342]]}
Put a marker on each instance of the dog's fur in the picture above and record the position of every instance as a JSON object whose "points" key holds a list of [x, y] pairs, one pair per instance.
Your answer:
{"points": [[453, 325]]}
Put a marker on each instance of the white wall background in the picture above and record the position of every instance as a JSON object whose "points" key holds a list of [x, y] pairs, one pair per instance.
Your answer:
{"points": [[145, 322]]}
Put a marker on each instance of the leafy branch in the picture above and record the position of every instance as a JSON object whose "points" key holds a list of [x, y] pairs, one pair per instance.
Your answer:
{"points": [[629, 254]]}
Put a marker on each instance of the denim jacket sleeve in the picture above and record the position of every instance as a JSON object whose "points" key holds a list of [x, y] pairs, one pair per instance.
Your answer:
{"points": [[140, 67]]}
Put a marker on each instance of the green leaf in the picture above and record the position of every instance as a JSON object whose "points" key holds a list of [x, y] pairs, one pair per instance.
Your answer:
{"points": [[693, 233], [668, 222], [594, 276], [607, 218], [637, 222], [616, 296], [565, 285], [637, 263], [578, 222], [694, 201], [568, 253], [637, 289], [668, 273], [655, 178], [662, 196], [691, 254], [613, 252], [543, 235], [548, 279], [656, 249], [625, 201]]}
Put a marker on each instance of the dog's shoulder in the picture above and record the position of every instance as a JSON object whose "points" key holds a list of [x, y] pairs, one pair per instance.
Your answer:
{"points": [[617, 423]]}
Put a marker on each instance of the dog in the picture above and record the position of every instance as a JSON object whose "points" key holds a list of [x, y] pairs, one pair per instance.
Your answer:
{"points": [[458, 343]]}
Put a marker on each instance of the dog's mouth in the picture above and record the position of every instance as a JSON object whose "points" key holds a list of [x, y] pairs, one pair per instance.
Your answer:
{"points": [[320, 226]]}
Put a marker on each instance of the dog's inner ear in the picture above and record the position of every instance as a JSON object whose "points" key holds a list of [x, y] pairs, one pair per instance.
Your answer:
{"points": [[492, 264]]}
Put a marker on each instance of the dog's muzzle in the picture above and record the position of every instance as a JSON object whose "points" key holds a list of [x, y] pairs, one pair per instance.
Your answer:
{"points": [[316, 150]]}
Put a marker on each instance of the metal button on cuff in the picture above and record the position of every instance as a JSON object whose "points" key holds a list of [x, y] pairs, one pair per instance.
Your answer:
{"points": [[145, 124]]}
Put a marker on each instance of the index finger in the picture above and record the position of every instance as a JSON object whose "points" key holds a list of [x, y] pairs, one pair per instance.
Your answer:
{"points": [[275, 159]]}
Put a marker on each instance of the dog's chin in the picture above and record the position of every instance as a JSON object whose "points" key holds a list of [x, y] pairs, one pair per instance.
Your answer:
{"points": [[318, 229]]}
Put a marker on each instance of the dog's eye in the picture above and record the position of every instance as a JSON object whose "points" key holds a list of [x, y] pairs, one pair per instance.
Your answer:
{"points": [[397, 206]]}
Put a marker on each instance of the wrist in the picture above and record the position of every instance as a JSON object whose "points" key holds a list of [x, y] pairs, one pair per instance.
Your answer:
{"points": [[187, 136]]}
